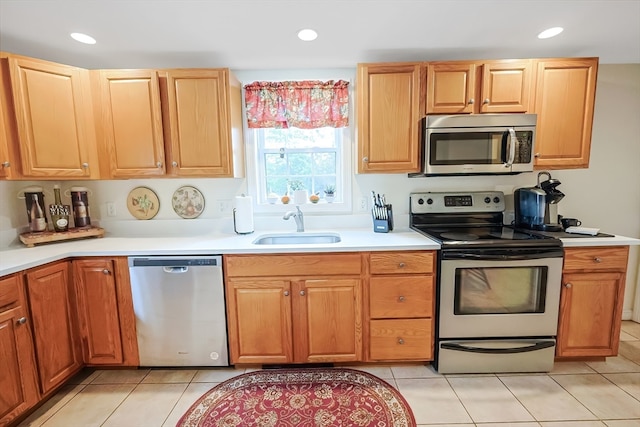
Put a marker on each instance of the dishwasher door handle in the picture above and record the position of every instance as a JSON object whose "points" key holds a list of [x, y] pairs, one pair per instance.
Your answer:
{"points": [[175, 269]]}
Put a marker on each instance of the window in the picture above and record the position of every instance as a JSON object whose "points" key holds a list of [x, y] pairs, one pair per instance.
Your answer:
{"points": [[297, 138], [312, 158]]}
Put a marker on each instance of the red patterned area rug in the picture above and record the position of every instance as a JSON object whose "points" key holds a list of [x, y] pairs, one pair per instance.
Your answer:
{"points": [[301, 397]]}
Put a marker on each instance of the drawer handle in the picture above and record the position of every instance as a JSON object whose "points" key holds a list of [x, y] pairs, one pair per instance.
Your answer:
{"points": [[286, 293], [568, 285], [401, 265], [105, 271], [301, 293], [22, 321], [6, 164], [401, 298], [400, 341], [597, 260]]}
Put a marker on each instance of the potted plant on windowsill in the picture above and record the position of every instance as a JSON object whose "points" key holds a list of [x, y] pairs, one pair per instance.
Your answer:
{"points": [[300, 194], [329, 193]]}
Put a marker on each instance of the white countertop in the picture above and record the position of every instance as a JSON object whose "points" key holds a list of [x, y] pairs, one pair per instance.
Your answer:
{"points": [[352, 240]]}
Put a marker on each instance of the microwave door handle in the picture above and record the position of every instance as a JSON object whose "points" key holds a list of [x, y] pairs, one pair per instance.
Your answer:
{"points": [[513, 140]]}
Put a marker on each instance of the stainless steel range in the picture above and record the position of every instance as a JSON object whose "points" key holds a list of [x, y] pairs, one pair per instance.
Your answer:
{"points": [[498, 290]]}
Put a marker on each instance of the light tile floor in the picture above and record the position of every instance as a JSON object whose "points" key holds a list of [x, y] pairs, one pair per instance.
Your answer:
{"points": [[574, 394]]}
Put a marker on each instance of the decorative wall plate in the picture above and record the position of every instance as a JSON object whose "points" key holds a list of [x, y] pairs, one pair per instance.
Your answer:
{"points": [[188, 202], [143, 203]]}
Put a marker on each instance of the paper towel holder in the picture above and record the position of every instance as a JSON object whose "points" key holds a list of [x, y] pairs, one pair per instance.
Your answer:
{"points": [[236, 228]]}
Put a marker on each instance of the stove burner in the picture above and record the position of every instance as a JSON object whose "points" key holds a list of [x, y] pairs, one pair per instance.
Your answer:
{"points": [[460, 236]]}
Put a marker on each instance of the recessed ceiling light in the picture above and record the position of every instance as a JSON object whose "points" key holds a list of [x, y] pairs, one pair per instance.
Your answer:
{"points": [[551, 32], [83, 38], [307, 35]]}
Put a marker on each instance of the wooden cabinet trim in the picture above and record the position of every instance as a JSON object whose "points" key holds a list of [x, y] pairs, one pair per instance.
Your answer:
{"points": [[273, 265]]}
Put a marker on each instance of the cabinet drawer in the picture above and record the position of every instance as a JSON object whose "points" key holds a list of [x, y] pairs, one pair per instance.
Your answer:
{"points": [[401, 262], [288, 265], [401, 297], [600, 258], [402, 339], [9, 293]]}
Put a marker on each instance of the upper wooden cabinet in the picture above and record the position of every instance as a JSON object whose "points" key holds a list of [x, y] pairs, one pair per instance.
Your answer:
{"points": [[127, 103], [463, 87], [171, 122], [564, 103], [389, 99], [47, 119], [203, 125]]}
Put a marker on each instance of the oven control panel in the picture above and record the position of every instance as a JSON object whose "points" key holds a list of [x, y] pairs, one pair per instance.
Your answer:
{"points": [[474, 201]]}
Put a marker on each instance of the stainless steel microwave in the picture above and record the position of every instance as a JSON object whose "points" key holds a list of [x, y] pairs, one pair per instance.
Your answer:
{"points": [[478, 144]]}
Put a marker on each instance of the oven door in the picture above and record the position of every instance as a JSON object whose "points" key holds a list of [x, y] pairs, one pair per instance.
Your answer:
{"points": [[499, 293]]}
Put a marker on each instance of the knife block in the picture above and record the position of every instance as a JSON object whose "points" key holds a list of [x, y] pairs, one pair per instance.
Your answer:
{"points": [[382, 221]]}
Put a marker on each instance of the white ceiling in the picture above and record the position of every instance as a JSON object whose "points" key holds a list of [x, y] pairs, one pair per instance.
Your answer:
{"points": [[261, 34]]}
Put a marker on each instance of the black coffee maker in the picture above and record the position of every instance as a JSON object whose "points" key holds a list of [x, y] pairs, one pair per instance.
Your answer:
{"points": [[536, 208]]}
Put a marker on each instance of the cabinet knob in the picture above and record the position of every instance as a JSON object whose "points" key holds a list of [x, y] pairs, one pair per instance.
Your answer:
{"points": [[400, 341], [85, 165], [6, 164], [105, 271], [486, 101], [401, 265], [401, 298], [568, 285], [365, 159], [286, 293], [22, 321], [471, 101], [301, 293], [597, 260], [536, 155], [174, 164], [159, 164]]}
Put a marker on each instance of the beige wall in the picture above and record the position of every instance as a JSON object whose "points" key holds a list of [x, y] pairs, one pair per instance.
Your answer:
{"points": [[607, 195]]}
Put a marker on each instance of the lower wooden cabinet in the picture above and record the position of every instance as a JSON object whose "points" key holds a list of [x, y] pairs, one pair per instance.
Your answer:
{"points": [[294, 308], [105, 311], [591, 301], [401, 306], [18, 380], [52, 305]]}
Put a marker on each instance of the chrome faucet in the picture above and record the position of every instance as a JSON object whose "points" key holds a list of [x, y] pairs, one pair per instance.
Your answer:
{"points": [[298, 216]]}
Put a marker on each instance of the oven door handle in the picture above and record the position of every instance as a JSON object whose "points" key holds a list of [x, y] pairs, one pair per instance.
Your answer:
{"points": [[537, 346]]}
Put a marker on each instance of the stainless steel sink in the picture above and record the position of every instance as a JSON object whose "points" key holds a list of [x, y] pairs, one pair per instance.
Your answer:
{"points": [[297, 239]]}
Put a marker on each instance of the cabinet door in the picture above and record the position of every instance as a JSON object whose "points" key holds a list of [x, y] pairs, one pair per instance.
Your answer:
{"points": [[98, 311], [18, 381], [590, 309], [53, 116], [506, 86], [131, 119], [259, 316], [8, 137], [389, 113], [451, 88], [327, 320], [565, 96], [55, 334], [199, 126]]}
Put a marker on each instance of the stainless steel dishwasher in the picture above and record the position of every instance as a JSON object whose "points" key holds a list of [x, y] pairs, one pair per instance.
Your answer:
{"points": [[180, 310]]}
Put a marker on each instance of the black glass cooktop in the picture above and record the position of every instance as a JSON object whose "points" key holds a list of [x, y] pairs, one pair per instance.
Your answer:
{"points": [[490, 235]]}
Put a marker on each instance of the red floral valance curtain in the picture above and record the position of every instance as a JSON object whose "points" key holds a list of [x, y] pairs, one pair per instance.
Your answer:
{"points": [[303, 104]]}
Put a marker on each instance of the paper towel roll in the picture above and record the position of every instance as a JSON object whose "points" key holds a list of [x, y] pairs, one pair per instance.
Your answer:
{"points": [[243, 215]]}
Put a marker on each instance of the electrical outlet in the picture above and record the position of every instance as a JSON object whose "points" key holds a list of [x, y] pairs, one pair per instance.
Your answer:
{"points": [[225, 206], [363, 204], [111, 209]]}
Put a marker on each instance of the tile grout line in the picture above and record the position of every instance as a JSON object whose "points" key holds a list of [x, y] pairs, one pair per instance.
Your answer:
{"points": [[126, 397]]}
